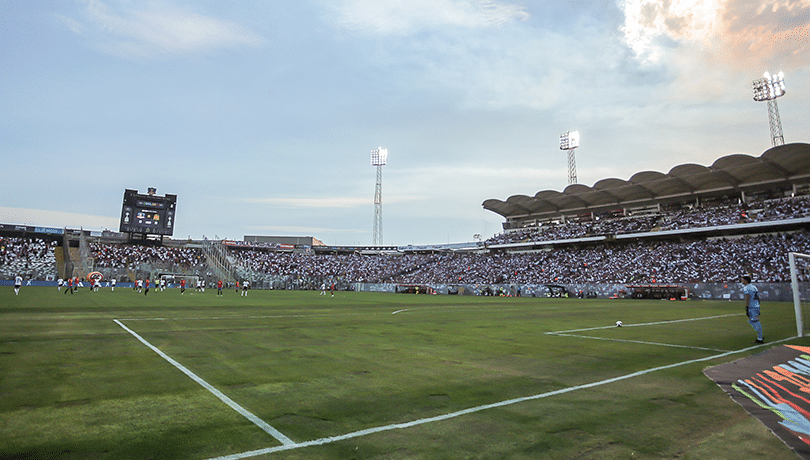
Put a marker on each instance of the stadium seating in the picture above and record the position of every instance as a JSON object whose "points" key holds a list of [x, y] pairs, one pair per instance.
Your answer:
{"points": [[31, 258], [689, 259]]}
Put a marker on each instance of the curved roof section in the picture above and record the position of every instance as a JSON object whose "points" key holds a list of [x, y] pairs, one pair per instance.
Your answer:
{"points": [[734, 172]]}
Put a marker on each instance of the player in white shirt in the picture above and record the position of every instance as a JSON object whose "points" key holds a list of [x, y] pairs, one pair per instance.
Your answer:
{"points": [[17, 284], [112, 285], [245, 287], [139, 285], [96, 284], [162, 284], [59, 284]]}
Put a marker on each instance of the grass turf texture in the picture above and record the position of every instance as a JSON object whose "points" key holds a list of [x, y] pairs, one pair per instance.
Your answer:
{"points": [[74, 384]]}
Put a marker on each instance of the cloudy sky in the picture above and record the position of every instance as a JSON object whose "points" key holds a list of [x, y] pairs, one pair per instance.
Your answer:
{"points": [[261, 116]]}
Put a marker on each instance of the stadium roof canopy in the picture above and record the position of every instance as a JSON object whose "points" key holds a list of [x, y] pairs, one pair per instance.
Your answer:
{"points": [[780, 167]]}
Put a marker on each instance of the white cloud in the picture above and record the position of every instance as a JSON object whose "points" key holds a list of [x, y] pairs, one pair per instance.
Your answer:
{"points": [[731, 33], [648, 22], [300, 230], [329, 203], [57, 219], [399, 17], [157, 29], [71, 24]]}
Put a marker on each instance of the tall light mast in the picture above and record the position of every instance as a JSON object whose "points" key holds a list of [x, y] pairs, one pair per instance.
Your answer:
{"points": [[378, 158], [768, 88], [569, 141]]}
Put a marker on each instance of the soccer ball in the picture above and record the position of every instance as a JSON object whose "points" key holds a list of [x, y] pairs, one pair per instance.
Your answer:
{"points": [[619, 324]]}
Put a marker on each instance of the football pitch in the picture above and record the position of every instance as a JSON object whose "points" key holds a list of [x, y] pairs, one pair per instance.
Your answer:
{"points": [[298, 375]]}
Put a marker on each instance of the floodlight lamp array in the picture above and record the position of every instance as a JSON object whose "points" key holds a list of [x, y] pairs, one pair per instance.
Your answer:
{"points": [[569, 140], [379, 157], [769, 87]]}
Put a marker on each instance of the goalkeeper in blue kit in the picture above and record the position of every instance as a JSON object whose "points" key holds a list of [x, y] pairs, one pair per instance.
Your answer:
{"points": [[752, 306]]}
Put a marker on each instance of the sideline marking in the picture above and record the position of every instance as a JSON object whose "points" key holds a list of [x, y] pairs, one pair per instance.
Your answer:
{"points": [[422, 421], [230, 402], [404, 309]]}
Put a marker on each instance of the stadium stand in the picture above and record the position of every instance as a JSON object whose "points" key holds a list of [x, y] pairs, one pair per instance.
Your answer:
{"points": [[784, 168], [693, 225], [128, 261], [723, 213], [682, 260], [31, 258]]}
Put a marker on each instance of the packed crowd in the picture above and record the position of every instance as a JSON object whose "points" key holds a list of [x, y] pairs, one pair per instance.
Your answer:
{"points": [[355, 267], [31, 258], [716, 260], [711, 260], [637, 263], [128, 256], [723, 214]]}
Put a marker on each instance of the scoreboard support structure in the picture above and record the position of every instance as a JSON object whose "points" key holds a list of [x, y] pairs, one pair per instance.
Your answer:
{"points": [[147, 214]]}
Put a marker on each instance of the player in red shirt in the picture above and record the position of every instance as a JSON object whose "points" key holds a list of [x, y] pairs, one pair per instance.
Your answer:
{"points": [[146, 286], [69, 286], [219, 288], [182, 285]]}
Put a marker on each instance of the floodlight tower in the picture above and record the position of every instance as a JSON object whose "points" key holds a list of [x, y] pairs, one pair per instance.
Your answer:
{"points": [[768, 88], [378, 158], [569, 141]]}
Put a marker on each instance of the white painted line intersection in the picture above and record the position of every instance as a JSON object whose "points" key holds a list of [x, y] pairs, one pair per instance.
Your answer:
{"points": [[396, 426], [288, 444]]}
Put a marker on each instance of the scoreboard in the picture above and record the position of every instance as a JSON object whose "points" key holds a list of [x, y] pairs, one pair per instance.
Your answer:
{"points": [[147, 214]]}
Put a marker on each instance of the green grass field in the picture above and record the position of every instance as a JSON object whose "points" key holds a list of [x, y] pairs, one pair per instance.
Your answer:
{"points": [[76, 384]]}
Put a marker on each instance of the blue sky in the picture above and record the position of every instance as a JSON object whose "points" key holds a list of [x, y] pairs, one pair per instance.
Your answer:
{"points": [[261, 116]]}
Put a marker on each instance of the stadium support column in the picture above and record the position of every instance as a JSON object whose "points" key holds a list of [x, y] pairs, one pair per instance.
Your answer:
{"points": [[379, 158], [572, 168], [768, 88], [775, 123], [378, 208], [569, 141]]}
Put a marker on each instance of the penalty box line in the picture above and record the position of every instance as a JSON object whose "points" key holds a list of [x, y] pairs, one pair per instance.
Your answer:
{"points": [[643, 324], [284, 440], [642, 342], [508, 402], [568, 333]]}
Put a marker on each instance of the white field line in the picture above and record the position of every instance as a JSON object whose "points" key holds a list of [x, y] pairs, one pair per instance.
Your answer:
{"points": [[233, 405], [645, 324], [220, 318], [637, 341], [396, 426], [567, 333], [332, 315]]}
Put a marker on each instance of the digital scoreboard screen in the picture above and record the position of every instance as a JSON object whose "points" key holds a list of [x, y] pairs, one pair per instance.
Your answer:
{"points": [[148, 214]]}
